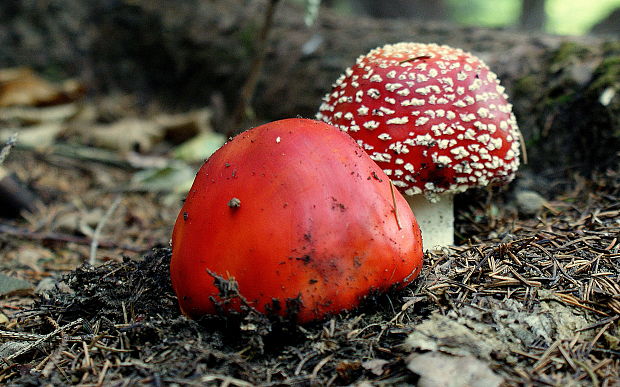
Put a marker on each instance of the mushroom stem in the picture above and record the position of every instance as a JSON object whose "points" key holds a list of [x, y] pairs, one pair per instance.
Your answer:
{"points": [[436, 220]]}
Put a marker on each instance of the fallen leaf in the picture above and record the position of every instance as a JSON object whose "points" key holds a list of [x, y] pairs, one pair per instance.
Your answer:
{"points": [[563, 319], [440, 370], [125, 135], [181, 127], [28, 115], [503, 326], [28, 255], [39, 136], [375, 366], [444, 333], [200, 147], [347, 368], [175, 177], [140, 161], [9, 285], [83, 221], [23, 87]]}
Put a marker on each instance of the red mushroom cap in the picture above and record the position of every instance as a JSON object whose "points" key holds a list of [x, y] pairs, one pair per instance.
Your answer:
{"points": [[292, 209], [435, 118]]}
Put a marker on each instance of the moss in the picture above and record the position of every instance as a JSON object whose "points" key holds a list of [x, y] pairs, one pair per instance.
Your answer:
{"points": [[527, 85], [247, 37], [607, 74], [611, 47], [565, 121], [567, 53], [559, 97], [563, 87]]}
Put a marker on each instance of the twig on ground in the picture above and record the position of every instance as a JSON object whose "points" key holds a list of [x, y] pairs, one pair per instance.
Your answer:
{"points": [[7, 360], [104, 219], [19, 336], [6, 149], [53, 236]]}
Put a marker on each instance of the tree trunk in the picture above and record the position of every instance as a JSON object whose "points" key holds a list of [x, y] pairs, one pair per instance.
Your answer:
{"points": [[533, 15], [565, 90]]}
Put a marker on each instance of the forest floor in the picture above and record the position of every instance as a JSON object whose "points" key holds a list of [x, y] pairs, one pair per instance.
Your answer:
{"points": [[523, 300]]}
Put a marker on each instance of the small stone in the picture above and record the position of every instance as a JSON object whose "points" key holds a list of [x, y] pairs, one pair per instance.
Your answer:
{"points": [[51, 284], [529, 202], [46, 285], [9, 284]]}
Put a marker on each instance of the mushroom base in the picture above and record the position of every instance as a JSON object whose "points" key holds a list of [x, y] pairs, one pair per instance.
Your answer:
{"points": [[436, 220]]}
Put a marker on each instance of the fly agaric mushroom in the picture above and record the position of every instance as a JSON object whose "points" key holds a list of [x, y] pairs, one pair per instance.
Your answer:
{"points": [[292, 210], [435, 119]]}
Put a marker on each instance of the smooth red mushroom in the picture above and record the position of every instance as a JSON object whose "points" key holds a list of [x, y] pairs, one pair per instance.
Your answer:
{"points": [[435, 119], [292, 210]]}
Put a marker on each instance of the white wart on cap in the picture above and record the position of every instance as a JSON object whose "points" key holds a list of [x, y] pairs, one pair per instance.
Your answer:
{"points": [[434, 118]]}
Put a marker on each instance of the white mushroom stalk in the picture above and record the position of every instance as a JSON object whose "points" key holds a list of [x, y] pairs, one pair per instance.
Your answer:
{"points": [[435, 218]]}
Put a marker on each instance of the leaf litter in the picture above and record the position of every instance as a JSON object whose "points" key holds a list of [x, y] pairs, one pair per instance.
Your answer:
{"points": [[526, 299]]}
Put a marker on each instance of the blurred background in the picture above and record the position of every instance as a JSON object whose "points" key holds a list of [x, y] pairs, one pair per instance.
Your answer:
{"points": [[102, 98], [565, 17]]}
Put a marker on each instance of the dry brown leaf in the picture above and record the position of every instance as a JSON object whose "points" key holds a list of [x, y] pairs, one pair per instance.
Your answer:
{"points": [[82, 221], [39, 136], [29, 255], [28, 115], [23, 87], [126, 135], [181, 127]]}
